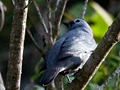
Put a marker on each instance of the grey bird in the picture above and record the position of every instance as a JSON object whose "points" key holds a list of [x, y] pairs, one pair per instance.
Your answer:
{"points": [[70, 53]]}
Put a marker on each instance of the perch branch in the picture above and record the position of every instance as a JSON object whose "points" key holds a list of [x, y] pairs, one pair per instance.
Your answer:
{"points": [[84, 9], [86, 73], [60, 7], [40, 16]]}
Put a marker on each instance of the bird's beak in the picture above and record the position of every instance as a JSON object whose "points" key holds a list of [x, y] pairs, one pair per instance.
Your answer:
{"points": [[66, 24]]}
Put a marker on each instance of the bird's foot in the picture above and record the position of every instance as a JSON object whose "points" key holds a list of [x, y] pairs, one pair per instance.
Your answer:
{"points": [[69, 81]]}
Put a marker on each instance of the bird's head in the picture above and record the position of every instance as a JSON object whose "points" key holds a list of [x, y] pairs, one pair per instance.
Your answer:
{"points": [[78, 23]]}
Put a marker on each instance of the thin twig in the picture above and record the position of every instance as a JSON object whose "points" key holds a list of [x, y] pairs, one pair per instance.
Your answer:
{"points": [[49, 20], [2, 87], [40, 16], [49, 16], [1, 80], [60, 7], [2, 15], [117, 76], [27, 5], [84, 9], [117, 81], [35, 43], [110, 78], [13, 2]]}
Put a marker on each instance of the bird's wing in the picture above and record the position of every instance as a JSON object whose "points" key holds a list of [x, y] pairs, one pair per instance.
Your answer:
{"points": [[72, 43], [75, 44], [53, 53]]}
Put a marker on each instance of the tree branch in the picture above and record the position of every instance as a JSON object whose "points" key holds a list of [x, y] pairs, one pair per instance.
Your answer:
{"points": [[27, 5], [51, 86], [2, 15], [60, 7], [86, 73], [35, 43], [49, 17], [17, 45], [40, 16], [59, 82], [13, 2], [84, 9], [2, 87], [49, 21], [110, 78], [117, 76]]}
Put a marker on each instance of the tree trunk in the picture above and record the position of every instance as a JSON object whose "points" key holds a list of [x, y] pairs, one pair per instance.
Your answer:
{"points": [[17, 45]]}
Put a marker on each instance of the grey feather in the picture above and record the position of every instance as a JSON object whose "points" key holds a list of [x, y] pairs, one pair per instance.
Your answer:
{"points": [[70, 53]]}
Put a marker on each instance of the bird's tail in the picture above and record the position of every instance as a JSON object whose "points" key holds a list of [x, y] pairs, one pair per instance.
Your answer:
{"points": [[48, 76]]}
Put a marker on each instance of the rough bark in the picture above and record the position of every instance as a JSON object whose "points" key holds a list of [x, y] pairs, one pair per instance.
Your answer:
{"points": [[109, 40], [17, 45]]}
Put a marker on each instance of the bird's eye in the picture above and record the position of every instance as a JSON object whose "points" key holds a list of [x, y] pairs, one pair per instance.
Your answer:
{"points": [[77, 20]]}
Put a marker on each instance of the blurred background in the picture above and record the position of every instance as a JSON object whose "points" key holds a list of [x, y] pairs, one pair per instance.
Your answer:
{"points": [[99, 15]]}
